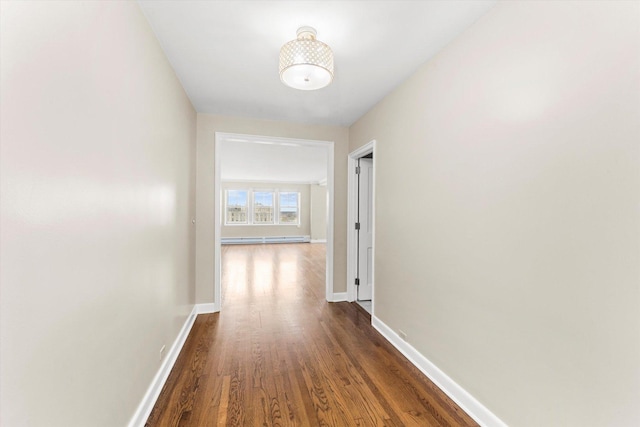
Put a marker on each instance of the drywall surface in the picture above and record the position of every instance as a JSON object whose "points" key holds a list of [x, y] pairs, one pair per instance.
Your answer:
{"points": [[318, 207], [208, 125], [97, 187], [256, 230], [507, 227]]}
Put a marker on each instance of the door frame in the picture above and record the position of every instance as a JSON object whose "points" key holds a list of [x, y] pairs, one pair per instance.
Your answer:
{"points": [[352, 214], [220, 137]]}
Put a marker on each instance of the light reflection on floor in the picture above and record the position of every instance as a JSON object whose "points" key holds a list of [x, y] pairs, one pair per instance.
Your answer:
{"points": [[250, 272]]}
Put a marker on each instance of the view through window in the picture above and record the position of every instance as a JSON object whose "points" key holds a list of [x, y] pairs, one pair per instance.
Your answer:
{"points": [[236, 207], [263, 207], [289, 208], [266, 207]]}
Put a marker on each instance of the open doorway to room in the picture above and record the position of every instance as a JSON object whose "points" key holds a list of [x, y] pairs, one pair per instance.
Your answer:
{"points": [[274, 202], [360, 242]]}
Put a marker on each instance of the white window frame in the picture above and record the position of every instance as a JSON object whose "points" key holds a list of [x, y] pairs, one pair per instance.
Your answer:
{"points": [[274, 220], [226, 207], [251, 207], [297, 223]]}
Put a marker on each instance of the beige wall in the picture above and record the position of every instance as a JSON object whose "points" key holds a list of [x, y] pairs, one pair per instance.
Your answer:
{"points": [[97, 187], [515, 269], [207, 126], [270, 230], [318, 206]]}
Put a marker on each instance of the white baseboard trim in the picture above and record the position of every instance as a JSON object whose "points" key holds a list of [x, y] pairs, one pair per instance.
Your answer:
{"points": [[476, 410], [149, 400], [263, 239], [207, 308], [318, 241], [339, 297]]}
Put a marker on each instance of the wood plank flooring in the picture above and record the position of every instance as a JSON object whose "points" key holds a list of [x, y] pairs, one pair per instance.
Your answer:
{"points": [[279, 355]]}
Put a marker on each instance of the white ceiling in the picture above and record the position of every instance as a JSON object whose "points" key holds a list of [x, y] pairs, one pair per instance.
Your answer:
{"points": [[253, 159], [225, 53]]}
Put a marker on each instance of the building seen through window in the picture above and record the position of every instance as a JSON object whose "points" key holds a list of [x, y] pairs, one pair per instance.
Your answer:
{"points": [[266, 207], [263, 207], [236, 207]]}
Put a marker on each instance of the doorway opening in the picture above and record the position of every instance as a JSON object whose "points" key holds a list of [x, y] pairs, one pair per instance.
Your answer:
{"points": [[283, 198], [361, 220]]}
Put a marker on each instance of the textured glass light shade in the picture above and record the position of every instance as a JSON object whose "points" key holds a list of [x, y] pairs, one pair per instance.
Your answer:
{"points": [[306, 63]]}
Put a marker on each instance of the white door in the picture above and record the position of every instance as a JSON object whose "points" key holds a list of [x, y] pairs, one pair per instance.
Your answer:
{"points": [[365, 234]]}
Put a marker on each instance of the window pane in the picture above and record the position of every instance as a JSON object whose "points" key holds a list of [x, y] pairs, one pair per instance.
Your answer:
{"points": [[289, 208], [236, 207], [263, 207]]}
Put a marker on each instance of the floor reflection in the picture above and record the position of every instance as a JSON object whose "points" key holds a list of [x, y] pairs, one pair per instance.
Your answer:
{"points": [[255, 273]]}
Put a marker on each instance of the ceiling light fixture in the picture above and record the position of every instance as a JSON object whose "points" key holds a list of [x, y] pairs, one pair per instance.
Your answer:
{"points": [[306, 63]]}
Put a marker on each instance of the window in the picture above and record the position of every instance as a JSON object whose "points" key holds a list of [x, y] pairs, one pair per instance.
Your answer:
{"points": [[237, 207], [289, 208], [263, 209]]}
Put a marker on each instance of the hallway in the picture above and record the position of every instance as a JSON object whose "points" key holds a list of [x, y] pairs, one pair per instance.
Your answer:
{"points": [[278, 354]]}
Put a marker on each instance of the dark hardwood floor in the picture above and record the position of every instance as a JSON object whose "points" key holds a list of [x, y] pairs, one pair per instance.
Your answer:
{"points": [[279, 355]]}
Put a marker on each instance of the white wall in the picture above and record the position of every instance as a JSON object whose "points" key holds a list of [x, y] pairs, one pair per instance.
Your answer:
{"points": [[97, 187], [318, 207], [303, 229], [208, 125], [507, 227]]}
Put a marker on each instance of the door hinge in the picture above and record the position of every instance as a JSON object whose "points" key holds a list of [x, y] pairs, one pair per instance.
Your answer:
{"points": [[357, 226], [357, 170], [357, 282]]}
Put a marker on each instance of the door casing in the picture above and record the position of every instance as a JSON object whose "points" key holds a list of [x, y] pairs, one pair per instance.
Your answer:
{"points": [[352, 215], [365, 237]]}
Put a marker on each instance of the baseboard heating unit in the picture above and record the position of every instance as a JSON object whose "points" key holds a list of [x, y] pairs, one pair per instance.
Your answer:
{"points": [[260, 240]]}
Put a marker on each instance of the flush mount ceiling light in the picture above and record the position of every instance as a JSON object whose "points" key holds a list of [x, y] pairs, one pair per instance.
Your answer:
{"points": [[306, 63]]}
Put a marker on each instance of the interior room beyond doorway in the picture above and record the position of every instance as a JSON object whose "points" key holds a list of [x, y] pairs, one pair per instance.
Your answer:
{"points": [[274, 190]]}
